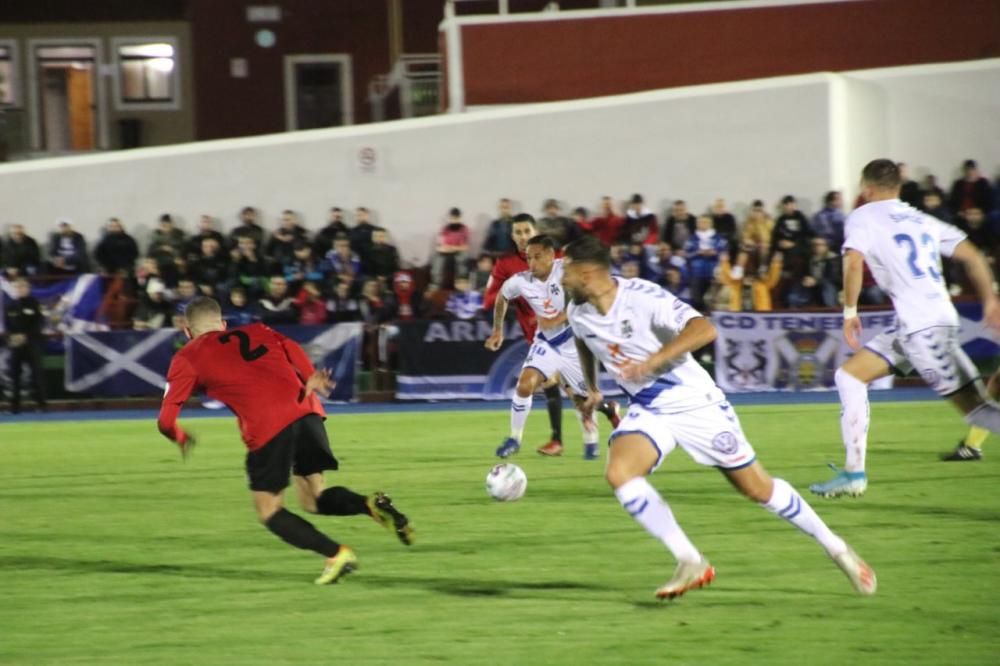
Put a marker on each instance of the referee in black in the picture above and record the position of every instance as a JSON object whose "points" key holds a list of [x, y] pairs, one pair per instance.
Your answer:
{"points": [[24, 320]]}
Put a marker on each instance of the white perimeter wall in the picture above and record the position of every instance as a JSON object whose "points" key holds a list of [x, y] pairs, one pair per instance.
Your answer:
{"points": [[767, 138]]}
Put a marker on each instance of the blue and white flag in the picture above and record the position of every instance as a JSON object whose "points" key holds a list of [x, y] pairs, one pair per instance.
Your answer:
{"points": [[135, 363], [120, 363], [69, 305]]}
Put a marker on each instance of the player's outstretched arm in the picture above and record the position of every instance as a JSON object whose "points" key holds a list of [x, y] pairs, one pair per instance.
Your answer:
{"points": [[981, 277], [499, 314], [854, 266], [181, 381], [697, 333]]}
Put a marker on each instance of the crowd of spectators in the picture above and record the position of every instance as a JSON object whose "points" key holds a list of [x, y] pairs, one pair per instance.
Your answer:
{"points": [[772, 258]]}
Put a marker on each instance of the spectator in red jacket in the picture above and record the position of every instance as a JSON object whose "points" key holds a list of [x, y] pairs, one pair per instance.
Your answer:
{"points": [[311, 305], [608, 226]]}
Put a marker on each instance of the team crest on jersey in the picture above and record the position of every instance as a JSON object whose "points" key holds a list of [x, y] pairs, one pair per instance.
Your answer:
{"points": [[554, 288], [626, 328]]}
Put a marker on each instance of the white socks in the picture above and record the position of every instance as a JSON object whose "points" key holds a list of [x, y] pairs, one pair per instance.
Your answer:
{"points": [[854, 418], [589, 428], [519, 410], [787, 503], [645, 505], [986, 415]]}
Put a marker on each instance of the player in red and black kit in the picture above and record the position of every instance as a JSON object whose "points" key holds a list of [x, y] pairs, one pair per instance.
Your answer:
{"points": [[522, 230], [269, 383]]}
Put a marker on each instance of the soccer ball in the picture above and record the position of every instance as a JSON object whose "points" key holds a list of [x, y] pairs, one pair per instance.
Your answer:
{"points": [[506, 482]]}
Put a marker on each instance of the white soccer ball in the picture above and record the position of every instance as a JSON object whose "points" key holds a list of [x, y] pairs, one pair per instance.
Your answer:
{"points": [[506, 482]]}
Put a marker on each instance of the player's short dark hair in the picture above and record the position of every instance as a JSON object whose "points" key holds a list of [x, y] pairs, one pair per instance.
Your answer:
{"points": [[201, 307], [544, 241], [589, 250], [882, 173], [523, 217]]}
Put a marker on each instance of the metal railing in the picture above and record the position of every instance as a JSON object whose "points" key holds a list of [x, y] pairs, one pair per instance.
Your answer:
{"points": [[411, 90]]}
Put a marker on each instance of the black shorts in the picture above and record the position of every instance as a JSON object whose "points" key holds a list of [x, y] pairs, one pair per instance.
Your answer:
{"points": [[302, 448]]}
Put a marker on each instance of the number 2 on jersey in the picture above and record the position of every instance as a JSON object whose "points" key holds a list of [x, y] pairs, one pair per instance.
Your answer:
{"points": [[926, 241], [245, 351]]}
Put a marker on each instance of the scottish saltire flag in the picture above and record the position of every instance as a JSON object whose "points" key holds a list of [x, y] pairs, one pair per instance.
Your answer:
{"points": [[135, 363], [337, 348], [120, 363], [69, 305]]}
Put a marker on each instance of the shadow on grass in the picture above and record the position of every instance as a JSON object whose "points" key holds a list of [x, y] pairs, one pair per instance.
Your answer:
{"points": [[462, 587]]}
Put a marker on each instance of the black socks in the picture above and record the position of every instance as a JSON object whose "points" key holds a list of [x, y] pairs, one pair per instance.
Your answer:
{"points": [[554, 401], [339, 501], [300, 533]]}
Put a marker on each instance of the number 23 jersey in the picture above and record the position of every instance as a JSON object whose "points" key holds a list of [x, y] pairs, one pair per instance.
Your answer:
{"points": [[903, 248], [257, 372]]}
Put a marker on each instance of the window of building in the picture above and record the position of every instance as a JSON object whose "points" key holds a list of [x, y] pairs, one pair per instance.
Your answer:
{"points": [[8, 75], [147, 74]]}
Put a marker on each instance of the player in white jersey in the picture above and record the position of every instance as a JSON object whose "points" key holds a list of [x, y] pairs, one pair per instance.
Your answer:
{"points": [[644, 336], [903, 249], [552, 356]]}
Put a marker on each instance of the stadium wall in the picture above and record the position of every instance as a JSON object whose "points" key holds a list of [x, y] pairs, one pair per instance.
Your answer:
{"points": [[800, 134]]}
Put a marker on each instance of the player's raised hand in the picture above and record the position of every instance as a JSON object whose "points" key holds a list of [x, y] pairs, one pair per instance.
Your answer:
{"points": [[494, 341], [852, 332], [320, 382]]}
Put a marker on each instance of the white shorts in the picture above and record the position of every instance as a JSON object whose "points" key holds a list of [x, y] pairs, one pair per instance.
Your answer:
{"points": [[711, 435], [562, 360], [934, 352]]}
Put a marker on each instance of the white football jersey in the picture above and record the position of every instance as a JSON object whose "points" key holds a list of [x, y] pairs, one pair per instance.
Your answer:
{"points": [[546, 297], [903, 248], [641, 320]]}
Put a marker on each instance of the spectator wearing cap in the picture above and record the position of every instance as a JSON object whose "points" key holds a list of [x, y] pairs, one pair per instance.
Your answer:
{"points": [[555, 225], [383, 258], [608, 226], [247, 228], [20, 254], [310, 304], [641, 225], [167, 235], [970, 191], [498, 237], [828, 223], [335, 226], [67, 251], [452, 247], [116, 252], [679, 226], [405, 296], [281, 246], [155, 309]]}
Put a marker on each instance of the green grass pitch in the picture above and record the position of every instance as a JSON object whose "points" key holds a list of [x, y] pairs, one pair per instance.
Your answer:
{"points": [[113, 551]]}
